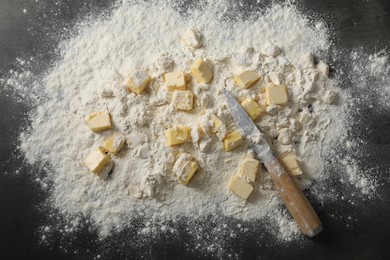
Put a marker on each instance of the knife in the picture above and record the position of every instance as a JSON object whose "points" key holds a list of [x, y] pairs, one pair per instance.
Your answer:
{"points": [[292, 196]]}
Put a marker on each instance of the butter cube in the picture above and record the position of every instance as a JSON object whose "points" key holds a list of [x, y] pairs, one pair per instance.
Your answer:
{"points": [[208, 124], [178, 135], [183, 99], [249, 169], [99, 163], [253, 108], [289, 162], [98, 121], [276, 94], [246, 78], [201, 71], [232, 140], [137, 81], [175, 80], [185, 167], [114, 143], [240, 187]]}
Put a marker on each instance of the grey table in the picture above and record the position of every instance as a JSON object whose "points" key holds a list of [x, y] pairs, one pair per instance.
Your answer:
{"points": [[36, 33]]}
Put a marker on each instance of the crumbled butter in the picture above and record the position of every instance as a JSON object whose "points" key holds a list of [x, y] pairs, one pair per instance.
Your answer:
{"points": [[240, 187], [232, 140], [183, 99], [178, 135], [246, 78], [98, 121], [253, 108], [137, 81], [276, 94], [201, 71], [185, 167], [175, 80], [249, 169], [99, 163], [114, 143]]}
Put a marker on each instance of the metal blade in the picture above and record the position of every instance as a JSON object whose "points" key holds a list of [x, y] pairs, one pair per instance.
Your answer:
{"points": [[251, 133]]}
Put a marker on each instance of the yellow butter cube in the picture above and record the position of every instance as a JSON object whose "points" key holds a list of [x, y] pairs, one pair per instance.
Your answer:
{"points": [[290, 164], [253, 108], [240, 187], [99, 163], [276, 94], [137, 81], [114, 143], [178, 135], [247, 78], [208, 123], [98, 121], [249, 169], [232, 140], [185, 167], [201, 71], [175, 80], [183, 99]]}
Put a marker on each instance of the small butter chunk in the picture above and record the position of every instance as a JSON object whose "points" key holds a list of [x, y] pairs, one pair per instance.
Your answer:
{"points": [[329, 96], [274, 77], [201, 71], [276, 94], [249, 169], [232, 140], [208, 124], [323, 68], [240, 187], [246, 78], [253, 108], [289, 162], [114, 143], [183, 99], [98, 121], [178, 135], [137, 81], [270, 49], [307, 60], [185, 167], [175, 80], [192, 39], [99, 163]]}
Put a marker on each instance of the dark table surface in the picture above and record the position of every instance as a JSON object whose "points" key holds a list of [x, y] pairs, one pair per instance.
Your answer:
{"points": [[36, 33]]}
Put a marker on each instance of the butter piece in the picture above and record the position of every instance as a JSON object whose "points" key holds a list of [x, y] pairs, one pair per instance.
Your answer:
{"points": [[185, 167], [183, 99], [240, 187], [192, 39], [208, 124], [137, 81], [276, 94], [201, 71], [323, 68], [289, 162], [178, 135], [175, 80], [114, 143], [246, 78], [99, 163], [232, 140], [249, 169], [98, 121], [253, 108]]}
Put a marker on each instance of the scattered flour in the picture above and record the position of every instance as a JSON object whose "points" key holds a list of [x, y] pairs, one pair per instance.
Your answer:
{"points": [[277, 43]]}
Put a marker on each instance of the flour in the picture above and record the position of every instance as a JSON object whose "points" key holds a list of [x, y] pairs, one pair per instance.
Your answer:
{"points": [[280, 44]]}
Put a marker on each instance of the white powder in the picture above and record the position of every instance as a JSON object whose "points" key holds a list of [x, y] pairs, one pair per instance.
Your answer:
{"points": [[150, 36]]}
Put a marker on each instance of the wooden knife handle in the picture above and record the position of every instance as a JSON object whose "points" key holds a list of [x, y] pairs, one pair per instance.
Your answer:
{"points": [[294, 199]]}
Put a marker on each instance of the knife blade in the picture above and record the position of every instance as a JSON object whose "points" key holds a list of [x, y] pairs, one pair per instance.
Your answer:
{"points": [[292, 196]]}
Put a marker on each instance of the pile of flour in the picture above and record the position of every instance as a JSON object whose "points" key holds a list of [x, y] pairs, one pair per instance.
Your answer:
{"points": [[149, 36]]}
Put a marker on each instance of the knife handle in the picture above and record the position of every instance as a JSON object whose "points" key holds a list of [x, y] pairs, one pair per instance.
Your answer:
{"points": [[294, 199]]}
